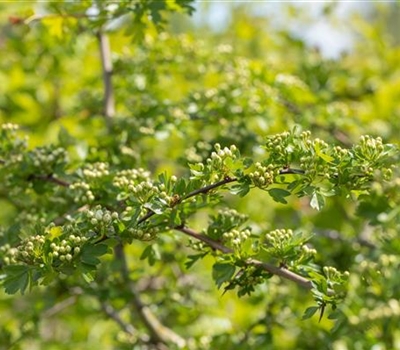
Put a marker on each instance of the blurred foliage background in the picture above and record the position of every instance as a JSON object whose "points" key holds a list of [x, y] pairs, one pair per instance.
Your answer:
{"points": [[178, 91]]}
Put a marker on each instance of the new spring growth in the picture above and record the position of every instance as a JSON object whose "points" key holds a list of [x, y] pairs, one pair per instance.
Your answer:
{"points": [[263, 176], [66, 249], [96, 170], [236, 238], [81, 192], [28, 251], [45, 157], [288, 246]]}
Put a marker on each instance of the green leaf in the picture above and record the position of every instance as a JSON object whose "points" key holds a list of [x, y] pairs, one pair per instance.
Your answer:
{"points": [[240, 189], [193, 258], [222, 272], [317, 201], [247, 162], [88, 272], [155, 207], [151, 253], [90, 253], [310, 312], [175, 218], [325, 157], [17, 278], [180, 186], [88, 277], [279, 194], [121, 226]]}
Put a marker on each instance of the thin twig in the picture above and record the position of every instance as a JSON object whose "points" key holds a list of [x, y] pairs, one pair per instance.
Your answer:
{"points": [[203, 190], [280, 271], [286, 171], [206, 189], [50, 178], [212, 243], [106, 63], [147, 216], [159, 333]]}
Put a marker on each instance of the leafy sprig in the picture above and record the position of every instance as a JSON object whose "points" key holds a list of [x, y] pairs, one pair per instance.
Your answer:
{"points": [[123, 205]]}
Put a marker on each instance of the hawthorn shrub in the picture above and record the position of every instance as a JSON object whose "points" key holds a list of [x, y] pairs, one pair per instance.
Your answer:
{"points": [[168, 192]]}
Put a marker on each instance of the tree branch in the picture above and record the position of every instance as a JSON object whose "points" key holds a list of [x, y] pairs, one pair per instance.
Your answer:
{"points": [[112, 313], [49, 178], [286, 171], [209, 241], [203, 190], [106, 62], [159, 333], [280, 271], [206, 189], [62, 305]]}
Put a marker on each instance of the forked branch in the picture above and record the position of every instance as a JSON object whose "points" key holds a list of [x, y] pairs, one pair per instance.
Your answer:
{"points": [[158, 332], [279, 271]]}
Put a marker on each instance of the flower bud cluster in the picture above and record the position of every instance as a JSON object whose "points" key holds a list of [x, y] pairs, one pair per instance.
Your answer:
{"points": [[333, 274], [278, 143], [251, 276], [262, 176], [247, 278], [340, 152], [96, 170], [279, 237], [144, 234], [305, 135], [127, 180], [101, 217], [306, 254], [197, 245], [287, 246], [237, 237], [232, 216], [84, 194], [143, 191], [369, 149], [319, 144], [66, 249], [218, 157], [282, 149], [137, 182], [46, 158], [29, 251]]}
